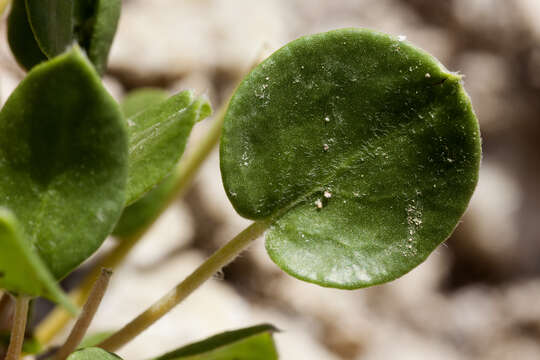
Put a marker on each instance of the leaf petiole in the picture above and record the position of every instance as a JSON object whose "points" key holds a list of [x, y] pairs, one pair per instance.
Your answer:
{"points": [[205, 271]]}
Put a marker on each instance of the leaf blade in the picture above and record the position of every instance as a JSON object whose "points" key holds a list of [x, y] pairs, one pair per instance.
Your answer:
{"points": [[21, 40], [362, 148], [21, 269], [253, 343], [157, 139], [52, 24], [63, 164], [92, 353]]}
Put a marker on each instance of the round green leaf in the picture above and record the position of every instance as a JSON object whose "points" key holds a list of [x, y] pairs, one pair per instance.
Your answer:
{"points": [[21, 40], [92, 353], [363, 150], [63, 160]]}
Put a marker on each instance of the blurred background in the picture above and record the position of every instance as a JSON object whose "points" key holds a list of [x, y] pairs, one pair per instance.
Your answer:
{"points": [[478, 294]]}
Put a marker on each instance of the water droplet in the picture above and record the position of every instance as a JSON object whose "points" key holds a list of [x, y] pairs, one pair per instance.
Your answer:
{"points": [[318, 204], [402, 37], [327, 194]]}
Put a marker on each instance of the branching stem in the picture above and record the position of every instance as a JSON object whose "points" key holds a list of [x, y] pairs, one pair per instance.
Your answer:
{"points": [[212, 265]]}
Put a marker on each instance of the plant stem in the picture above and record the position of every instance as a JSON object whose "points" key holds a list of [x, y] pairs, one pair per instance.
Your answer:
{"points": [[5, 311], [212, 265], [59, 317], [18, 329], [87, 314]]}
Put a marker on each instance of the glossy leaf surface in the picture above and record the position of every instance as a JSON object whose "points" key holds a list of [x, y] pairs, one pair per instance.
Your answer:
{"points": [[157, 138], [142, 212], [253, 343], [363, 149], [21, 40], [21, 269], [63, 161], [52, 24], [92, 353]]}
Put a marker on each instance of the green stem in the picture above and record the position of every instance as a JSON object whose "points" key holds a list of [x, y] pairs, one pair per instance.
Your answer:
{"points": [[212, 265], [19, 326]]}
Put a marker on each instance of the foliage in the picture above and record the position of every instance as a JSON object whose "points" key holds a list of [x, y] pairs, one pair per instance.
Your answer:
{"points": [[362, 150], [355, 153]]}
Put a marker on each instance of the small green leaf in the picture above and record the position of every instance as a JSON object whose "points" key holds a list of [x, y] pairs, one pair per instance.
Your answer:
{"points": [[94, 339], [362, 149], [52, 24], [157, 138], [92, 353], [63, 161], [141, 99], [95, 26], [21, 40], [141, 213], [21, 269], [253, 343]]}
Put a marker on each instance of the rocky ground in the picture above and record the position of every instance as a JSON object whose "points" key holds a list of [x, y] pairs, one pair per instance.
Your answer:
{"points": [[475, 298]]}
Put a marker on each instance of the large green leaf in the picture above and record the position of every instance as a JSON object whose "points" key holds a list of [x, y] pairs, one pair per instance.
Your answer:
{"points": [[52, 24], [253, 343], [362, 149], [63, 160], [21, 40], [95, 26], [157, 138], [92, 353], [21, 269], [142, 212]]}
